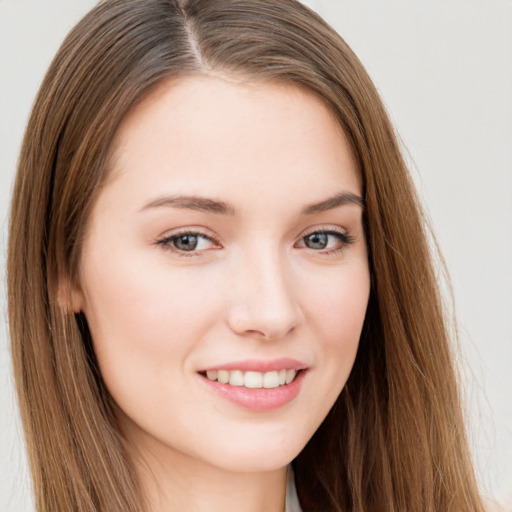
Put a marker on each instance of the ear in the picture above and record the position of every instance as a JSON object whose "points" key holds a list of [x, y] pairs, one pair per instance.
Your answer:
{"points": [[69, 296]]}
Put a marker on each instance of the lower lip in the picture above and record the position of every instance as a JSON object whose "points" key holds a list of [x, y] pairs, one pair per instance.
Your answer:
{"points": [[259, 399]]}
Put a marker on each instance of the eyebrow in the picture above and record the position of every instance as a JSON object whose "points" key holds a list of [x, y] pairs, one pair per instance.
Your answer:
{"points": [[205, 204], [339, 199], [202, 204]]}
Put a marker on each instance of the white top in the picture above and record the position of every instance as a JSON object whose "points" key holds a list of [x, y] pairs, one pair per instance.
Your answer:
{"points": [[292, 501]]}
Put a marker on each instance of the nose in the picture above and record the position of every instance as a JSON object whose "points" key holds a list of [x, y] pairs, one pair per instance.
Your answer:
{"points": [[263, 302]]}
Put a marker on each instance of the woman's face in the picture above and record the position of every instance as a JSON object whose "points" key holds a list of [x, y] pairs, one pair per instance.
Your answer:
{"points": [[227, 244]]}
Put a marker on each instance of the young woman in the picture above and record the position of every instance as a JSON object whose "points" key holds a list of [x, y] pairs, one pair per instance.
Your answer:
{"points": [[220, 286]]}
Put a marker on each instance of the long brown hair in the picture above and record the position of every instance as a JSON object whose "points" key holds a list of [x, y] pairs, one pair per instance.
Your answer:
{"points": [[394, 440]]}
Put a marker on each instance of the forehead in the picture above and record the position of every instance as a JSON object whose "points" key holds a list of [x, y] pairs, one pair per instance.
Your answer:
{"points": [[216, 133]]}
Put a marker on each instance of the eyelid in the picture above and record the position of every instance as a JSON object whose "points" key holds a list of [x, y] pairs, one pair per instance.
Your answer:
{"points": [[323, 229], [326, 229]]}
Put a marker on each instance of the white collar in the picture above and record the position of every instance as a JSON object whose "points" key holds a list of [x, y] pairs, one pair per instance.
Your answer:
{"points": [[292, 501]]}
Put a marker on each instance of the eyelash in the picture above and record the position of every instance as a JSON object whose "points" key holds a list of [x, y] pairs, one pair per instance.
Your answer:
{"points": [[166, 243], [343, 238]]}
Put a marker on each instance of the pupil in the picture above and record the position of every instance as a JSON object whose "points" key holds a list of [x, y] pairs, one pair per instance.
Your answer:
{"points": [[186, 242], [317, 241]]}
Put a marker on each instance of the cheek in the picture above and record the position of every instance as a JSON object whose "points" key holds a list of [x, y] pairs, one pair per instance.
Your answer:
{"points": [[145, 324], [146, 301], [144, 318], [336, 313], [338, 305], [335, 308]]}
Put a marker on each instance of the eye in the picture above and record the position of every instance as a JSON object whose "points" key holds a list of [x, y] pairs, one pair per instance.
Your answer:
{"points": [[188, 242], [326, 241]]}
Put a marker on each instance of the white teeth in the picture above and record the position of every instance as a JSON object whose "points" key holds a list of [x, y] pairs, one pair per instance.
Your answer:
{"points": [[236, 378], [253, 380], [212, 374], [271, 380], [290, 375], [223, 376]]}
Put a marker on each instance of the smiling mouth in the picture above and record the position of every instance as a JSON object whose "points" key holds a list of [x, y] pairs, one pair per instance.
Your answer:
{"points": [[251, 379]]}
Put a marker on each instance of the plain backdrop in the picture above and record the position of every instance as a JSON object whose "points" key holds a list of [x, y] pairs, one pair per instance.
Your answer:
{"points": [[444, 69]]}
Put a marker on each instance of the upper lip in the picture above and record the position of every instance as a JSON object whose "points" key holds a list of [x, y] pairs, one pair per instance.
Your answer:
{"points": [[260, 365]]}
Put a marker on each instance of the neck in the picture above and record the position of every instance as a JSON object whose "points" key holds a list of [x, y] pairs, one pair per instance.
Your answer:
{"points": [[185, 483]]}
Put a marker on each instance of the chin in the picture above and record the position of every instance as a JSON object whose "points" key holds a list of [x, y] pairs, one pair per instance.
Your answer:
{"points": [[262, 456]]}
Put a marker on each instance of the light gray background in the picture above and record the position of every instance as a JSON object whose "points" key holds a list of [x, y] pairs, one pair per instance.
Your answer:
{"points": [[444, 69]]}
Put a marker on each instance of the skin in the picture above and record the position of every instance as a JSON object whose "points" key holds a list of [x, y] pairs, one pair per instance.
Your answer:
{"points": [[254, 287]]}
